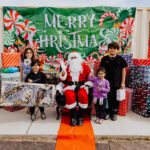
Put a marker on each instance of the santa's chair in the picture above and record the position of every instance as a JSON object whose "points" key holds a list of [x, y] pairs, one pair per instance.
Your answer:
{"points": [[61, 100]]}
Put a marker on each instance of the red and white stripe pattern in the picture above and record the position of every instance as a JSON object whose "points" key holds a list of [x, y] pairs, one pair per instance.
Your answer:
{"points": [[90, 60], [29, 29], [126, 26], [51, 60], [141, 62], [107, 14], [42, 57], [121, 39], [103, 49], [14, 22], [11, 60]]}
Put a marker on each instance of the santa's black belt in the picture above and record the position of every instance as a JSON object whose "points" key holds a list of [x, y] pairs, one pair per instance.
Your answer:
{"points": [[74, 83]]}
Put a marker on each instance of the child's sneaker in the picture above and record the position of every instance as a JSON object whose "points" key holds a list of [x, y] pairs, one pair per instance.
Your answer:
{"points": [[43, 116], [114, 117], [100, 121], [106, 117], [97, 120], [33, 117]]}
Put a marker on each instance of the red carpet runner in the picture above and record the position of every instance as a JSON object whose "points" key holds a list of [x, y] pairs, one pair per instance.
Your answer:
{"points": [[75, 138]]}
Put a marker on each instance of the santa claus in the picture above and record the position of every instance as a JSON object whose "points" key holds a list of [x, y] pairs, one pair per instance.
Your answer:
{"points": [[74, 76]]}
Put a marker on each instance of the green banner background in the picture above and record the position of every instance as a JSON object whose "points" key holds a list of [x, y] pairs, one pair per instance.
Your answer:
{"points": [[56, 25]]}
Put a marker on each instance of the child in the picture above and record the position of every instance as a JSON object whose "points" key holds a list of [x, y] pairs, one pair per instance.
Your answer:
{"points": [[35, 76], [28, 58], [100, 89], [115, 67]]}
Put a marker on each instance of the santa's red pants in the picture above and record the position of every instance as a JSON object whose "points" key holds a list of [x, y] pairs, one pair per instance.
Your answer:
{"points": [[71, 98]]}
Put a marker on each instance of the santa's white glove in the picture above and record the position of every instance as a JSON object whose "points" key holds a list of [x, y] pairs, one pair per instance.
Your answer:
{"points": [[63, 66], [89, 84], [63, 73], [60, 87]]}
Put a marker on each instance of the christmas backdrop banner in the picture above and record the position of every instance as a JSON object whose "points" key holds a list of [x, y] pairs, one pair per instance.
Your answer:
{"points": [[54, 32], [26, 94]]}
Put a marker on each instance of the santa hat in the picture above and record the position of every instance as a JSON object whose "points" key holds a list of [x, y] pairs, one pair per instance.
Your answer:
{"points": [[75, 54]]}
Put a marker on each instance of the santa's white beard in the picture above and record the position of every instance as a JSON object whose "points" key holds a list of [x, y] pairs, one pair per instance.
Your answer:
{"points": [[76, 69]]}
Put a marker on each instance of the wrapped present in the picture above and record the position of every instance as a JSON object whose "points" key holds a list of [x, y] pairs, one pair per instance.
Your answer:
{"points": [[11, 60], [121, 94], [141, 62], [11, 77], [141, 99], [127, 58], [130, 98], [138, 73], [123, 106], [13, 108]]}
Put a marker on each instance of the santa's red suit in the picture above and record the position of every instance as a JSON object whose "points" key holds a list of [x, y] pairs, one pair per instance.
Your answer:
{"points": [[71, 80]]}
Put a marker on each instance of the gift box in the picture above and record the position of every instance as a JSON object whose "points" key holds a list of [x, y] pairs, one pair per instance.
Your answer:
{"points": [[138, 73], [11, 60], [127, 58], [123, 106], [121, 93], [141, 99], [141, 62], [130, 98], [11, 77], [13, 108]]}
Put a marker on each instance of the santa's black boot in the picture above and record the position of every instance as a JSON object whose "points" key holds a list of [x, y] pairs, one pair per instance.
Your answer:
{"points": [[73, 121], [80, 116]]}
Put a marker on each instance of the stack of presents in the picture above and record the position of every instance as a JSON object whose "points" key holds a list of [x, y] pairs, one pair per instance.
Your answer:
{"points": [[139, 81], [138, 87], [11, 63], [11, 71]]}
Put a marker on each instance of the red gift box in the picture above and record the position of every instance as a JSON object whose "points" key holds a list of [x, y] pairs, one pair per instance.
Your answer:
{"points": [[93, 109], [13, 108], [130, 98], [141, 62], [123, 106], [11, 60]]}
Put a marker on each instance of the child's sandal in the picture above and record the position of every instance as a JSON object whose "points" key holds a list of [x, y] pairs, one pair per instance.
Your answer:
{"points": [[100, 121], [97, 120]]}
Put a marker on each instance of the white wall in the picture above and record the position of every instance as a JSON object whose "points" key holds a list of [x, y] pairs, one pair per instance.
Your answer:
{"points": [[63, 3], [141, 33]]}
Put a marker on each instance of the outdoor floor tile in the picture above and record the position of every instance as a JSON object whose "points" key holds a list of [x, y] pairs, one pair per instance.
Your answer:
{"points": [[14, 123]]}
